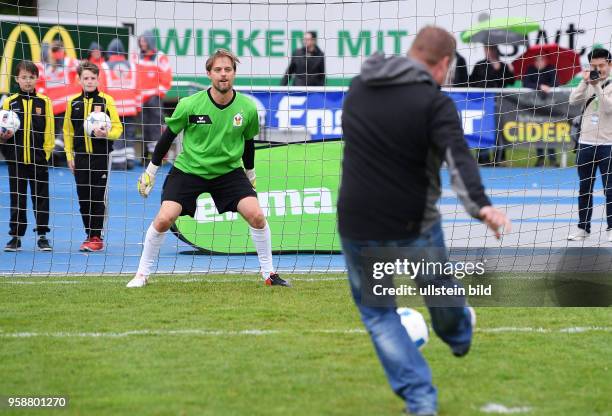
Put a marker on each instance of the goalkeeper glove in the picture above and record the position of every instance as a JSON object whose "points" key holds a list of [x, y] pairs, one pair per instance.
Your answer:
{"points": [[250, 174], [147, 180]]}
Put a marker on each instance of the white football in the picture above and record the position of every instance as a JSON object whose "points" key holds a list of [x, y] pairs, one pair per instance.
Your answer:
{"points": [[9, 121], [415, 325], [97, 120]]}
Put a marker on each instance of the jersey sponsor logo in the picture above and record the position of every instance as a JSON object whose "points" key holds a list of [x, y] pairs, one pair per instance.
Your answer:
{"points": [[200, 119], [238, 120]]}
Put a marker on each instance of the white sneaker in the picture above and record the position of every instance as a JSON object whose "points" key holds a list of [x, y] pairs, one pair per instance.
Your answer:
{"points": [[609, 235], [138, 281], [579, 235]]}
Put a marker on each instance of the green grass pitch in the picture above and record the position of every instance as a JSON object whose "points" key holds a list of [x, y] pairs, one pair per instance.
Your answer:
{"points": [[227, 345]]}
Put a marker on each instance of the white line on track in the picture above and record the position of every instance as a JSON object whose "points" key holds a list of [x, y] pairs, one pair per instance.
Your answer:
{"points": [[262, 332]]}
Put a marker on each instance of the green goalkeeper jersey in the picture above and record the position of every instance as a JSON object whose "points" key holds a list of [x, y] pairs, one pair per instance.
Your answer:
{"points": [[213, 138]]}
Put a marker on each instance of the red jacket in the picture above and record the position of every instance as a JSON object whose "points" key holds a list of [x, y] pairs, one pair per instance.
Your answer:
{"points": [[121, 84], [58, 83], [154, 74]]}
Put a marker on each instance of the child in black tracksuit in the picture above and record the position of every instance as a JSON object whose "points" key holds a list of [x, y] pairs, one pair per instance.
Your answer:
{"points": [[27, 152], [87, 156]]}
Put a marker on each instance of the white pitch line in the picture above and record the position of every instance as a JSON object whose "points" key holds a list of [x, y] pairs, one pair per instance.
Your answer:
{"points": [[572, 330], [261, 332], [501, 409]]}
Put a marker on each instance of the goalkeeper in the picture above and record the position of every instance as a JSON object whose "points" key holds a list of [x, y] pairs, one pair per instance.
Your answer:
{"points": [[218, 128]]}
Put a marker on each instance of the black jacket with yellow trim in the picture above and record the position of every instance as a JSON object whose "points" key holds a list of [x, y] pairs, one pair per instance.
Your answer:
{"points": [[34, 141], [78, 108]]}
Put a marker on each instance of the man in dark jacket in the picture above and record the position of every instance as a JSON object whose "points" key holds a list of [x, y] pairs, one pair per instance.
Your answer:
{"points": [[491, 72], [542, 76], [460, 76], [398, 129], [307, 66]]}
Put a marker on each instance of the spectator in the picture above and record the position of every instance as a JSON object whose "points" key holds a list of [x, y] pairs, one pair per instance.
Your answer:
{"points": [[121, 85], [595, 140], [27, 152], [58, 81], [307, 66], [94, 54], [460, 75], [491, 72], [154, 79], [542, 76], [87, 152]]}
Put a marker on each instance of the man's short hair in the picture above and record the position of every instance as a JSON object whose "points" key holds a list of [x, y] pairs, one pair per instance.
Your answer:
{"points": [[598, 53], [432, 44], [88, 66], [27, 66], [312, 33], [221, 53]]}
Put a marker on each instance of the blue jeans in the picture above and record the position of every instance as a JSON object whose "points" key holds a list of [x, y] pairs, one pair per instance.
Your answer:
{"points": [[407, 371], [588, 160]]}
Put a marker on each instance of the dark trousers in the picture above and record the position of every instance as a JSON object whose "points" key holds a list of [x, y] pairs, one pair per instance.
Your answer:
{"points": [[550, 151], [20, 174], [91, 173], [152, 122], [588, 160]]}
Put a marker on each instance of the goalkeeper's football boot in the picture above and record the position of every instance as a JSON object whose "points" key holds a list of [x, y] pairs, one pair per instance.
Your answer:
{"points": [[13, 245], [138, 281], [275, 280]]}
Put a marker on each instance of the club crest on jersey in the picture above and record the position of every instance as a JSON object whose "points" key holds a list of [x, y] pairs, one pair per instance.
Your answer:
{"points": [[238, 120]]}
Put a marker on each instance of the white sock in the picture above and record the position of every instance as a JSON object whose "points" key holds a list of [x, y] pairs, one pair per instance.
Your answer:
{"points": [[150, 251], [263, 244]]}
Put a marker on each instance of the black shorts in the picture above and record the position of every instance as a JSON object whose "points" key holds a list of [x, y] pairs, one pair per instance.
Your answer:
{"points": [[226, 190]]}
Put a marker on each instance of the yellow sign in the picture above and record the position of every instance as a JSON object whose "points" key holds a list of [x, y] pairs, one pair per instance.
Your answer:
{"points": [[6, 65], [530, 132]]}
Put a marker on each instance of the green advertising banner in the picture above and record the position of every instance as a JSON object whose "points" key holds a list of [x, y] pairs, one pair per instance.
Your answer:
{"points": [[297, 186]]}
